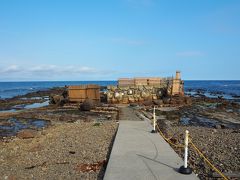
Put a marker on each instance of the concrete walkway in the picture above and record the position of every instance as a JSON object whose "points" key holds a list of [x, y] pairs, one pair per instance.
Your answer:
{"points": [[138, 154]]}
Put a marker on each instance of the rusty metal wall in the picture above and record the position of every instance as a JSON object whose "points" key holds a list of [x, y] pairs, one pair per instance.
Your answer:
{"points": [[83, 92]]}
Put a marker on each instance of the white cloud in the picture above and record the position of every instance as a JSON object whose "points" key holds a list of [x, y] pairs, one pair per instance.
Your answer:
{"points": [[45, 72], [11, 69], [46, 69], [190, 54]]}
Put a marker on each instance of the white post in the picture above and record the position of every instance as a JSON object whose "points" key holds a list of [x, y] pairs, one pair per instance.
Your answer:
{"points": [[185, 169], [154, 119], [186, 149]]}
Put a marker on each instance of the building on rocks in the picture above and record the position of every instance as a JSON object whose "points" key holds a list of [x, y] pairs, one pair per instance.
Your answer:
{"points": [[130, 90]]}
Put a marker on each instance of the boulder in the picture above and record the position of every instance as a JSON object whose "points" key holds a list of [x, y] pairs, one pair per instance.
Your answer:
{"points": [[58, 100], [218, 126], [154, 97], [88, 105], [166, 100], [158, 102], [54, 99], [131, 99], [125, 100], [130, 92], [147, 103], [113, 100], [145, 94], [140, 99], [26, 134]]}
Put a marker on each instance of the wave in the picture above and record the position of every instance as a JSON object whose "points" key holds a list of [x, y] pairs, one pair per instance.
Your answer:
{"points": [[17, 90]]}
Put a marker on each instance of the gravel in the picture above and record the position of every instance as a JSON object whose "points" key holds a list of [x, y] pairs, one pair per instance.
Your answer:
{"points": [[220, 146], [58, 152]]}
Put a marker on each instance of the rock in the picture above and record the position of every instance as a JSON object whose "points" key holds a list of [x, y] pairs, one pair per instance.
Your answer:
{"points": [[236, 131], [130, 92], [188, 100], [133, 104], [145, 94], [113, 100], [147, 103], [131, 99], [88, 105], [166, 100], [26, 134], [217, 126], [214, 130], [154, 97], [158, 102], [140, 99], [125, 100], [117, 95], [54, 99], [62, 101], [109, 95], [58, 100]]}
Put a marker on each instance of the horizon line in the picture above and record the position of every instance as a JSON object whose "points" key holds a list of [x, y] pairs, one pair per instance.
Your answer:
{"points": [[113, 80]]}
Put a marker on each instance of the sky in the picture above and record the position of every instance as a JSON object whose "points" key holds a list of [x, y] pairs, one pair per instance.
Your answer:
{"points": [[59, 40]]}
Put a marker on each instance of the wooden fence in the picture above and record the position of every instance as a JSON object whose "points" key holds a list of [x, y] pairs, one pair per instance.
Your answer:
{"points": [[83, 92]]}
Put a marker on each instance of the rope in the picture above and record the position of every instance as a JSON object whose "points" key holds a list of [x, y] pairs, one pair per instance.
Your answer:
{"points": [[206, 160], [168, 139], [197, 150]]}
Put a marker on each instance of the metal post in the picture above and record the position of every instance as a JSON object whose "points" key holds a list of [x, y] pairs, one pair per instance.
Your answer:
{"points": [[185, 169], [186, 149], [154, 121]]}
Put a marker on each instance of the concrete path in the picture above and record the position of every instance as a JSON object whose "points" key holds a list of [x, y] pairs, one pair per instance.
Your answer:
{"points": [[138, 154], [128, 113]]}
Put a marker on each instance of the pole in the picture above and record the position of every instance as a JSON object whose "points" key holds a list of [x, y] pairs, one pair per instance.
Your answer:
{"points": [[185, 169], [186, 149], [154, 121]]}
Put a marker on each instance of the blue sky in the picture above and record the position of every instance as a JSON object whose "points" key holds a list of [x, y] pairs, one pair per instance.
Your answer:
{"points": [[105, 40]]}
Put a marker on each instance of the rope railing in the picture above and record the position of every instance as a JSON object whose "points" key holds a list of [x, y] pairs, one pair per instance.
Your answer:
{"points": [[206, 160], [193, 146]]}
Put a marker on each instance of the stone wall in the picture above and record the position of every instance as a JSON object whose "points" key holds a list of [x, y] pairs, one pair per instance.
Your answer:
{"points": [[144, 89], [131, 94]]}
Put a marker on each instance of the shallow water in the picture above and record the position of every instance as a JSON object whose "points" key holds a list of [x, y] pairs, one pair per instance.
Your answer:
{"points": [[36, 105], [24, 106], [211, 95], [13, 125], [36, 98]]}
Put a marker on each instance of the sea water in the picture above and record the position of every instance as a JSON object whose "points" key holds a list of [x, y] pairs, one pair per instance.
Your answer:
{"points": [[11, 89]]}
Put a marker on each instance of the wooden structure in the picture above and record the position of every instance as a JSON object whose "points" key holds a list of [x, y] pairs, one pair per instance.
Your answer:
{"points": [[83, 92], [126, 82], [139, 81]]}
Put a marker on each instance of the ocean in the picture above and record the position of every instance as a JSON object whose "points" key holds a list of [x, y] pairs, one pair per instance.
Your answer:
{"points": [[11, 89]]}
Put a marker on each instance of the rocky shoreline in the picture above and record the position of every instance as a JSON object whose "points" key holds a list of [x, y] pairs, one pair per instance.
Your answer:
{"points": [[66, 142], [55, 142], [214, 126]]}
